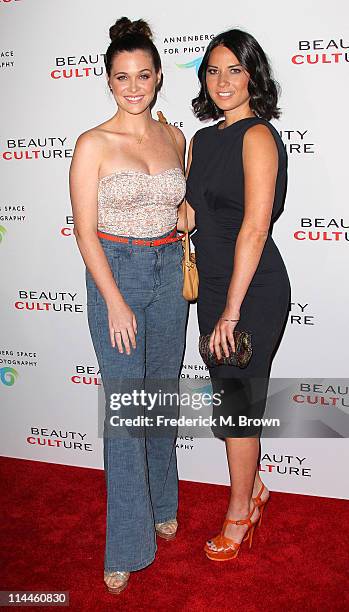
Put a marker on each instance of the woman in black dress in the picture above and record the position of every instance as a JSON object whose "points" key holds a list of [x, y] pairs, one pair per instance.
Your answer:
{"points": [[235, 190]]}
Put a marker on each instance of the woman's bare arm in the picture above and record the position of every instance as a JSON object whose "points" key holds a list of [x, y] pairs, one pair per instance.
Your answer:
{"points": [[180, 140], [83, 181], [260, 162], [181, 225]]}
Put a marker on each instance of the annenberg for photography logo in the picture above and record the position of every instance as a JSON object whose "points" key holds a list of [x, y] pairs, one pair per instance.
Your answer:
{"points": [[10, 357], [18, 357], [184, 44], [321, 51], [12, 213], [195, 63], [185, 443], [7, 59], [321, 229], [35, 148], [78, 66], [8, 376], [194, 371]]}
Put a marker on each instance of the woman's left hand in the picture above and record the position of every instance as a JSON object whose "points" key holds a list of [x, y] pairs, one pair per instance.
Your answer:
{"points": [[222, 334]]}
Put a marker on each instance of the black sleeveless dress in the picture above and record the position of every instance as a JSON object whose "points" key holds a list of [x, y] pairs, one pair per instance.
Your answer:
{"points": [[215, 190]]}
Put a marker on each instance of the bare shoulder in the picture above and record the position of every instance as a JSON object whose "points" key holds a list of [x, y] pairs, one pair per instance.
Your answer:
{"points": [[89, 148], [177, 131], [178, 134], [259, 138], [90, 139]]}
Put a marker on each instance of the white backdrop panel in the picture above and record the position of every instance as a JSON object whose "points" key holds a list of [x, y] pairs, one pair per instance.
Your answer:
{"points": [[49, 373]]}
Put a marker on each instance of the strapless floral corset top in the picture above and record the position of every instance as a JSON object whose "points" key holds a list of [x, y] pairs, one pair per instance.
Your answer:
{"points": [[134, 203]]}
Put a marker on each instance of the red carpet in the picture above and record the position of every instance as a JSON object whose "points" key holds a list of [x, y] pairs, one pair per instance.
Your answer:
{"points": [[52, 534]]}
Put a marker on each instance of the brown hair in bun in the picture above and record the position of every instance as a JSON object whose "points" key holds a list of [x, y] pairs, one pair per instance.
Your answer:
{"points": [[125, 27], [127, 35]]}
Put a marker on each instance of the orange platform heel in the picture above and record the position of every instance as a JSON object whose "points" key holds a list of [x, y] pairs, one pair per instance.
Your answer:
{"points": [[226, 548], [260, 503]]}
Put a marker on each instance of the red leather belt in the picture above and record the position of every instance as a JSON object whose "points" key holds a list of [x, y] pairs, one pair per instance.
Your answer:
{"points": [[172, 237]]}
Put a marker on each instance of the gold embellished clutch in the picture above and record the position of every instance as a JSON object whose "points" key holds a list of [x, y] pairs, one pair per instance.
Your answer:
{"points": [[239, 358]]}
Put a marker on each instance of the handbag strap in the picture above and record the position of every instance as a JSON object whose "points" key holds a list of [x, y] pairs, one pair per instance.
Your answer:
{"points": [[164, 122]]}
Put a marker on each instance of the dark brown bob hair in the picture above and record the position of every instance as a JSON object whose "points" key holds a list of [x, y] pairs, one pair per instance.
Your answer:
{"points": [[262, 87]]}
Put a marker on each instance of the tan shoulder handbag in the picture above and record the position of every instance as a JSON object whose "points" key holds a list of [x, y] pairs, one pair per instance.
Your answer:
{"points": [[190, 271]]}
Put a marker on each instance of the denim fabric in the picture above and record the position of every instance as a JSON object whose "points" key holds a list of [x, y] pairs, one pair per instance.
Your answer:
{"points": [[141, 472]]}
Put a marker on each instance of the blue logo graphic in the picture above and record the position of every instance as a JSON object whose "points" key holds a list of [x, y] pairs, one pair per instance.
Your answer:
{"points": [[195, 63], [206, 389], [8, 376]]}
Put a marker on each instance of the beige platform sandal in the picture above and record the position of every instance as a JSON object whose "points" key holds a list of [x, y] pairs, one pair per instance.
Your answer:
{"points": [[167, 530], [121, 578]]}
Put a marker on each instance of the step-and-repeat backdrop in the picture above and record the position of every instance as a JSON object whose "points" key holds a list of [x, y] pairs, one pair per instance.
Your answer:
{"points": [[53, 87]]}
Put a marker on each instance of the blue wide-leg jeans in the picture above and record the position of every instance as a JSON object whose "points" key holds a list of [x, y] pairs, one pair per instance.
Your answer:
{"points": [[141, 470]]}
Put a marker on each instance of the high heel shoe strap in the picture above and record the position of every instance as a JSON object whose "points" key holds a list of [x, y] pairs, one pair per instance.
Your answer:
{"points": [[257, 500], [245, 521]]}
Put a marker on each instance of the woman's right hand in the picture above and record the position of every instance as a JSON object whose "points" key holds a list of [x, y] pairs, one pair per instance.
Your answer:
{"points": [[122, 326]]}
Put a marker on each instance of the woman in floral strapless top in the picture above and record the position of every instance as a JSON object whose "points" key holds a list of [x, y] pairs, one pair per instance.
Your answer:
{"points": [[126, 189]]}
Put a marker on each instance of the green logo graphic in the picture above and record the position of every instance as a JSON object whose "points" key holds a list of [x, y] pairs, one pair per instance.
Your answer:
{"points": [[8, 376], [3, 231], [195, 63]]}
